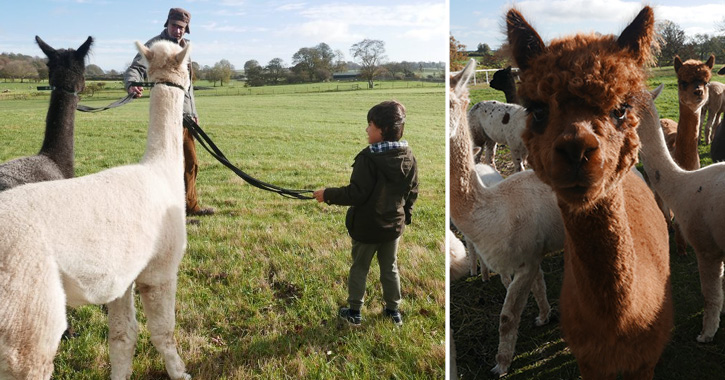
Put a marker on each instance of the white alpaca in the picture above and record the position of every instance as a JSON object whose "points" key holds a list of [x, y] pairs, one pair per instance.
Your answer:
{"points": [[715, 107], [512, 224], [87, 240], [493, 122], [697, 198], [489, 176]]}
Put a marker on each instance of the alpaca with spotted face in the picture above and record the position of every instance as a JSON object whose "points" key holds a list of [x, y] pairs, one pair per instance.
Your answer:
{"points": [[75, 242], [55, 159], [616, 306]]}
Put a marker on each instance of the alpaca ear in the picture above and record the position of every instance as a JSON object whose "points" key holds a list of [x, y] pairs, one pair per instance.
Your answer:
{"points": [[710, 62], [678, 63], [722, 71], [145, 52], [49, 51], [524, 41], [460, 80], [657, 91], [83, 49], [639, 35], [183, 54]]}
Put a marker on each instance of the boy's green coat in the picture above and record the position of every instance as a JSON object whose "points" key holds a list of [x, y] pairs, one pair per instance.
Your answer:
{"points": [[382, 190]]}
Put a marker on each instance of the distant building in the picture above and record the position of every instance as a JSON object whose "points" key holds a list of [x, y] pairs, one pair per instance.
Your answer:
{"points": [[348, 75]]}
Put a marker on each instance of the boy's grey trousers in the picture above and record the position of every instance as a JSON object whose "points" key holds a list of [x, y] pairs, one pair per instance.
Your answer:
{"points": [[362, 256]]}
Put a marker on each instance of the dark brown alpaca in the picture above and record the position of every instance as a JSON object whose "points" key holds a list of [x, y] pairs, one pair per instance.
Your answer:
{"points": [[616, 307], [55, 159], [503, 80]]}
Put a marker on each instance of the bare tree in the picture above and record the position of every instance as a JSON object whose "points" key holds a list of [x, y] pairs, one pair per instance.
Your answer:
{"points": [[370, 54], [672, 41]]}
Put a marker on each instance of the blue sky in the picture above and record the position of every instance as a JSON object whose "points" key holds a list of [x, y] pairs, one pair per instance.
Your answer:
{"points": [[481, 21], [236, 30]]}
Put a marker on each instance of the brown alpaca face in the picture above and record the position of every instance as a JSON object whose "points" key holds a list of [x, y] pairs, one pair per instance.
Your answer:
{"points": [[692, 79], [581, 130]]}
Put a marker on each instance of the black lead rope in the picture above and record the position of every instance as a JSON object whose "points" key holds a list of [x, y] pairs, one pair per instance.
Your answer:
{"points": [[204, 139], [120, 102]]}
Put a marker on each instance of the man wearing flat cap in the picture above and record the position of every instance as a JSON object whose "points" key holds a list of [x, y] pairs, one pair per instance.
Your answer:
{"points": [[177, 24]]}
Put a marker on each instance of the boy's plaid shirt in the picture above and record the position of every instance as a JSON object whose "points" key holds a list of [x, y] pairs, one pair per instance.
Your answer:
{"points": [[385, 146]]}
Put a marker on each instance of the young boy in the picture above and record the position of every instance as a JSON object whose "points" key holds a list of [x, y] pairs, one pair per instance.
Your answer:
{"points": [[383, 187]]}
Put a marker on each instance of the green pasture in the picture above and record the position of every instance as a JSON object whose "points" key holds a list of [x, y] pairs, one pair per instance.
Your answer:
{"points": [[540, 351], [114, 89], [261, 281]]}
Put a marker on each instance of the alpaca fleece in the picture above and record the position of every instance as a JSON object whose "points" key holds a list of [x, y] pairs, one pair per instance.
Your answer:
{"points": [[55, 159], [511, 225], [76, 241], [616, 304], [697, 198]]}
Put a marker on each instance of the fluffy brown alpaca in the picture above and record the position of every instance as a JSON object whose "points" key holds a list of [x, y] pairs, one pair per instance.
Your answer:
{"points": [[616, 307]]}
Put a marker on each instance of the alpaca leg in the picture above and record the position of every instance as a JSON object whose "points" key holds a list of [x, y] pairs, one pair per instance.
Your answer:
{"points": [[519, 159], [122, 335], [680, 241], [485, 275], [513, 305], [159, 301], [539, 290], [711, 272], [30, 331], [505, 280], [489, 148], [709, 126], [472, 258]]}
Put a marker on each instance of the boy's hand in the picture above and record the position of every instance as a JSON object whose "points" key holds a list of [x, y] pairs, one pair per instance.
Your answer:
{"points": [[319, 195]]}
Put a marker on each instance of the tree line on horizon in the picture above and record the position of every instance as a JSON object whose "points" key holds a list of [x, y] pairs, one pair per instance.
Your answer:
{"points": [[309, 65], [672, 41]]}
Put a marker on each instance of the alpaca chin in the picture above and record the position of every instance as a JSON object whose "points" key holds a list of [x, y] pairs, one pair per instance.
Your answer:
{"points": [[694, 102]]}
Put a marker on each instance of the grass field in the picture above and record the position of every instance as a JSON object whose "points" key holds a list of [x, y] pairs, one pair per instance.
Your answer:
{"points": [[540, 351], [261, 281]]}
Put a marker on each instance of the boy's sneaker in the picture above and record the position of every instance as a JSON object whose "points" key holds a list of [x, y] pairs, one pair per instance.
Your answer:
{"points": [[394, 316], [352, 317]]}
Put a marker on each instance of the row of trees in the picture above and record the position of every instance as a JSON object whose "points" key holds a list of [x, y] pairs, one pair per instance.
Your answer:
{"points": [[673, 41], [309, 64]]}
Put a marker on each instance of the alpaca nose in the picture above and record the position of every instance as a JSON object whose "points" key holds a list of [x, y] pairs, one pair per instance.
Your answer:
{"points": [[577, 148]]}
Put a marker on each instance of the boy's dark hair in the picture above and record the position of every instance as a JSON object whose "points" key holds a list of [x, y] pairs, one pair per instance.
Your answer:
{"points": [[389, 116]]}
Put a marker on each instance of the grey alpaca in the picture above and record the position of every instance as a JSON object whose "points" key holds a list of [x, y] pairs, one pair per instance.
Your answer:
{"points": [[55, 159]]}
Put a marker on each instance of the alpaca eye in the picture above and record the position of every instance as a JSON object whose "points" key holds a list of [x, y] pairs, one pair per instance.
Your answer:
{"points": [[620, 113]]}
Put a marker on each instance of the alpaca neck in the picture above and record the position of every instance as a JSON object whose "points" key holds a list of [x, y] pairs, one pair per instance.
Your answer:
{"points": [[600, 254], [164, 144], [663, 173], [59, 123], [510, 94], [465, 189], [685, 153]]}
